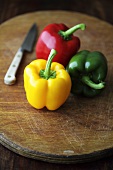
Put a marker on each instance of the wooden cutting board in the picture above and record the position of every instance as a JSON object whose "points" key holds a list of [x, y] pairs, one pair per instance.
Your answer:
{"points": [[82, 129]]}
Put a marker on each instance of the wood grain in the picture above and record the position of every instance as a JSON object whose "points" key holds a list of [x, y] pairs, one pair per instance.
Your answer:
{"points": [[79, 131], [101, 9]]}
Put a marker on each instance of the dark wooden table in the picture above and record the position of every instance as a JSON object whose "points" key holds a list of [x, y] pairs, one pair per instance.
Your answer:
{"points": [[12, 161], [101, 9]]}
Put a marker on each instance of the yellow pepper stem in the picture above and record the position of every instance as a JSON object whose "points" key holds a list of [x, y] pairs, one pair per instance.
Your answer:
{"points": [[48, 73]]}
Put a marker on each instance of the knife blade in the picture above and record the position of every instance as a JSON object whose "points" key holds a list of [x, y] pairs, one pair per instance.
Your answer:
{"points": [[27, 45]]}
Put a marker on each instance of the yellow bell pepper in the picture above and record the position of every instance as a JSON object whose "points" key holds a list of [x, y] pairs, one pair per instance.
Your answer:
{"points": [[46, 83]]}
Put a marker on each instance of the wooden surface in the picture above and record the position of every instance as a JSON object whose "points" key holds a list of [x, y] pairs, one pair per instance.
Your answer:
{"points": [[79, 131], [102, 9], [12, 161]]}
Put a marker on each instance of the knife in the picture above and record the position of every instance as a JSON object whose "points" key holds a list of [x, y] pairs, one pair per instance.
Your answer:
{"points": [[27, 45]]}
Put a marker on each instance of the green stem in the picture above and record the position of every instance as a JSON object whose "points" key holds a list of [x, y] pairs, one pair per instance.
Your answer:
{"points": [[90, 83], [48, 73], [66, 34]]}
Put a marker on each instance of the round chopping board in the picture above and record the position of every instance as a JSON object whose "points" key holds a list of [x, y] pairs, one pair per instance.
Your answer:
{"points": [[81, 129]]}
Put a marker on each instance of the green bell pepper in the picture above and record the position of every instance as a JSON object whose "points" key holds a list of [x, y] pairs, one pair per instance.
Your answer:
{"points": [[88, 71]]}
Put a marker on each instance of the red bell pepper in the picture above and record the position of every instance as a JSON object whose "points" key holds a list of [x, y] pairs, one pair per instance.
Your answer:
{"points": [[61, 38]]}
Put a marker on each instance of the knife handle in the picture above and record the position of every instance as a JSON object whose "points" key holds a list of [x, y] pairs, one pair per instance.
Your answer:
{"points": [[10, 77]]}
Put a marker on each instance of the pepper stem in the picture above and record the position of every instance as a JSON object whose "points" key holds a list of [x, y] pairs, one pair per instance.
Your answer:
{"points": [[90, 83], [48, 73], [67, 34]]}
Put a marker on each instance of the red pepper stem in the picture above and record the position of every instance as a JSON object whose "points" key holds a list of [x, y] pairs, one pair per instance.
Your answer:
{"points": [[90, 83], [66, 34], [75, 28]]}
